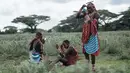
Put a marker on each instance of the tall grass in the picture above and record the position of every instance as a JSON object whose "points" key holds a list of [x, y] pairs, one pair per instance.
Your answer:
{"points": [[14, 52], [111, 43], [80, 67]]}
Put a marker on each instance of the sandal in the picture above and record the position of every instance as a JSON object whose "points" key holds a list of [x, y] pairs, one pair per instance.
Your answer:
{"points": [[93, 68]]}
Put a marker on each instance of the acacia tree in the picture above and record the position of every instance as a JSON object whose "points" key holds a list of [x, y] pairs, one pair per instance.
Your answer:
{"points": [[106, 17], [31, 21], [10, 29], [125, 20]]}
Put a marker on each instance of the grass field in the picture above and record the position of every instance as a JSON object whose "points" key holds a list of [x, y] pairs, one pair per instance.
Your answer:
{"points": [[114, 53]]}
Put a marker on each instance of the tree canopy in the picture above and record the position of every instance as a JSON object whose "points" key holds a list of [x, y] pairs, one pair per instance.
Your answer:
{"points": [[32, 21], [108, 21], [10, 30]]}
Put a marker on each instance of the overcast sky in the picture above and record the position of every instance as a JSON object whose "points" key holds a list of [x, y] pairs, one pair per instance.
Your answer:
{"points": [[56, 9]]}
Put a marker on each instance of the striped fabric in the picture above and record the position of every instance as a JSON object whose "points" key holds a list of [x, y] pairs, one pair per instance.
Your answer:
{"points": [[92, 45], [35, 57]]}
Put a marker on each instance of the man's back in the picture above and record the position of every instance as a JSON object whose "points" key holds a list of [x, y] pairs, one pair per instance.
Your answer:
{"points": [[71, 55]]}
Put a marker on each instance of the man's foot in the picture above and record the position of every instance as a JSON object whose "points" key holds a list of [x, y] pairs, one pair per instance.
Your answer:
{"points": [[93, 68]]}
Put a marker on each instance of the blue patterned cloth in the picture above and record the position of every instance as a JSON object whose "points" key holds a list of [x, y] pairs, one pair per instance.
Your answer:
{"points": [[92, 46], [35, 57]]}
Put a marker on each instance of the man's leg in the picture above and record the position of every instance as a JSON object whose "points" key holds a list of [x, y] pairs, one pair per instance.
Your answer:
{"points": [[64, 61], [60, 59], [93, 59], [87, 57], [93, 62], [52, 64]]}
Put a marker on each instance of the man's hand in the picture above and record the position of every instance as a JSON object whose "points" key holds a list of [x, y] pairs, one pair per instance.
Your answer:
{"points": [[57, 46], [42, 56], [84, 6]]}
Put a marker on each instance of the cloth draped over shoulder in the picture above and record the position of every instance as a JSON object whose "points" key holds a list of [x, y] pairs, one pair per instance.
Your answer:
{"points": [[36, 45], [71, 55], [90, 38], [88, 30]]}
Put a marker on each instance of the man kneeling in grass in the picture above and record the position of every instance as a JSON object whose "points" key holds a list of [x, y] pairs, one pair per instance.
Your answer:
{"points": [[68, 54]]}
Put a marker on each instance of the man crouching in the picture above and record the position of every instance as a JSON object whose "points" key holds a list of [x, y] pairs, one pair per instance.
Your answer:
{"points": [[68, 54]]}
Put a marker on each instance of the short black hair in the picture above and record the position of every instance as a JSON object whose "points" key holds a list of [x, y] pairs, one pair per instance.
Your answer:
{"points": [[39, 34], [66, 41]]}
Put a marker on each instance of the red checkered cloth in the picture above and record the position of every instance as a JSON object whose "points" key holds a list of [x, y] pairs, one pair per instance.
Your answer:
{"points": [[88, 30]]}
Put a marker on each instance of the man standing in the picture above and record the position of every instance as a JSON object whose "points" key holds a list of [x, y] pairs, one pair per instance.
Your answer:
{"points": [[90, 39], [36, 48]]}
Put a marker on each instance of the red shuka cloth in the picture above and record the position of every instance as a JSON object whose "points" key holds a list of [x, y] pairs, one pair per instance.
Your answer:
{"points": [[89, 29], [72, 59]]}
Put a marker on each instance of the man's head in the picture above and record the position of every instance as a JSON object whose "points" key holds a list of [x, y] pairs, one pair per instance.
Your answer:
{"points": [[66, 43], [91, 7], [39, 35]]}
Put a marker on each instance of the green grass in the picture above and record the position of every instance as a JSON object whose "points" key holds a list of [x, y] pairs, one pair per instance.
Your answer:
{"points": [[114, 53], [111, 66]]}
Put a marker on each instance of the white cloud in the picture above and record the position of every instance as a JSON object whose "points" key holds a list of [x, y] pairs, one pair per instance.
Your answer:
{"points": [[117, 8], [115, 2], [56, 9]]}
